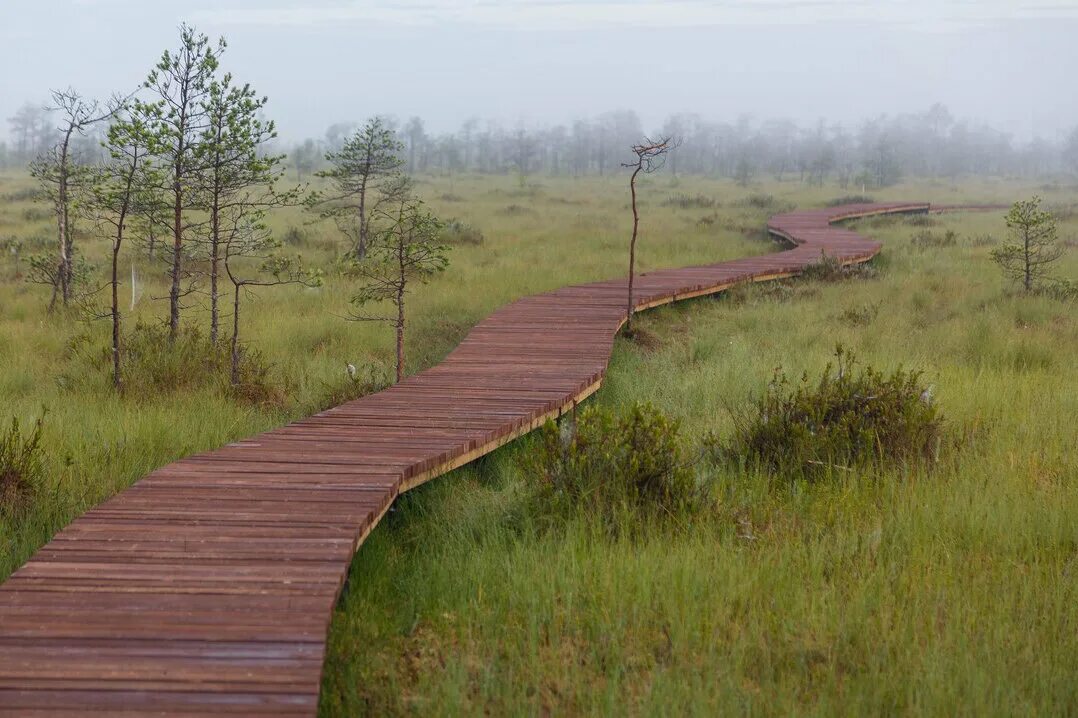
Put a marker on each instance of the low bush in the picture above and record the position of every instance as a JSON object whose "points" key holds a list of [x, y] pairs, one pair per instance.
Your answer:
{"points": [[21, 465], [846, 420], [608, 466], [690, 201], [925, 239], [919, 220], [354, 384], [831, 269], [457, 232], [25, 194], [1063, 211], [152, 365], [983, 240], [295, 237], [773, 291], [850, 199], [1061, 289], [863, 314], [765, 201], [35, 214]]}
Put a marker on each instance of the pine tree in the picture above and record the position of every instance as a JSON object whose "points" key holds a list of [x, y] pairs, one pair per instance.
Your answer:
{"points": [[176, 119], [366, 162], [233, 173], [404, 249], [1034, 247]]}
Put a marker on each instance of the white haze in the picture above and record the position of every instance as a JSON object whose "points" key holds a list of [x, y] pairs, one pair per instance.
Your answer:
{"points": [[1007, 63]]}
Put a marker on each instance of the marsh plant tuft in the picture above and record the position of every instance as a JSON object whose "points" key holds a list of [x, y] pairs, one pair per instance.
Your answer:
{"points": [[607, 465], [830, 268], [21, 465], [850, 418]]}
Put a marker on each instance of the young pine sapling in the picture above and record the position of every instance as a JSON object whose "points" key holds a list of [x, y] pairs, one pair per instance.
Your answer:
{"points": [[404, 249], [366, 162], [176, 117], [233, 172], [1034, 246]]}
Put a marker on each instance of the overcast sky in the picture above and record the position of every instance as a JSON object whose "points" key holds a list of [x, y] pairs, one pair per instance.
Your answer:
{"points": [[1010, 63]]}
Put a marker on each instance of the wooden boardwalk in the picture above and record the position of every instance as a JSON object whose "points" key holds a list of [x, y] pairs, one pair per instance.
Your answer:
{"points": [[207, 587]]}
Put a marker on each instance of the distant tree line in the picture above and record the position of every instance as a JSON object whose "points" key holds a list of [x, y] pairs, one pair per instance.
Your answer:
{"points": [[877, 153]]}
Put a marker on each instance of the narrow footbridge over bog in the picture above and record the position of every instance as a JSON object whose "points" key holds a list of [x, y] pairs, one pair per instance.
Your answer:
{"points": [[207, 587]]}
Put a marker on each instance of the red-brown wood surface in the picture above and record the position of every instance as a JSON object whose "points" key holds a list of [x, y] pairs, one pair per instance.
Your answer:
{"points": [[207, 586]]}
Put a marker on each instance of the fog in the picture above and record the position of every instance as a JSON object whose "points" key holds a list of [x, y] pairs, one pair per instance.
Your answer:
{"points": [[539, 63]]}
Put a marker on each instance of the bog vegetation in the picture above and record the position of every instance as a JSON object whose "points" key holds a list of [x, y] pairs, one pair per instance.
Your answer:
{"points": [[894, 535]]}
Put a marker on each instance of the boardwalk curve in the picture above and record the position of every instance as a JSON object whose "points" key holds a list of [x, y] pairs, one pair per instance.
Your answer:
{"points": [[207, 587]]}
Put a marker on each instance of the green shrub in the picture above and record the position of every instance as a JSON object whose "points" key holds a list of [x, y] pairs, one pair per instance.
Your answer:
{"points": [[831, 269], [919, 220], [607, 466], [930, 240], [756, 292], [21, 464], [863, 314], [765, 201], [152, 366], [690, 201], [1061, 289], [26, 194], [355, 384], [295, 237], [845, 420], [850, 199], [34, 214], [457, 232]]}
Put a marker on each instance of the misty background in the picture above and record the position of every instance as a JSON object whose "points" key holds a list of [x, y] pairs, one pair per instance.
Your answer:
{"points": [[524, 73]]}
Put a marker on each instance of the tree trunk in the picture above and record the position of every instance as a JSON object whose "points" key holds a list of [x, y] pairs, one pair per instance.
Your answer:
{"points": [[400, 327], [64, 271], [1028, 280], [361, 249], [235, 364], [632, 250], [116, 308], [215, 260], [177, 260]]}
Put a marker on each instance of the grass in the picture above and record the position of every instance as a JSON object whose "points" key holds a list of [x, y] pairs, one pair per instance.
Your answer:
{"points": [[953, 592]]}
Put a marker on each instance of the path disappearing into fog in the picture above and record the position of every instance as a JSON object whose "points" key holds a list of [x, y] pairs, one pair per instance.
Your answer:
{"points": [[207, 587]]}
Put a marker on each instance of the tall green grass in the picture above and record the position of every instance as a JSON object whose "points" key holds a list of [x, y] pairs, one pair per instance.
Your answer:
{"points": [[948, 593]]}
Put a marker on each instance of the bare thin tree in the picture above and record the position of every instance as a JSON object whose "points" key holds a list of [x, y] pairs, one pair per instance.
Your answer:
{"points": [[650, 157], [61, 175], [248, 242], [115, 201]]}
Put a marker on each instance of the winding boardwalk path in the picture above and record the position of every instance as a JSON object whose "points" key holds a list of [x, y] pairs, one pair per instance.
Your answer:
{"points": [[207, 586]]}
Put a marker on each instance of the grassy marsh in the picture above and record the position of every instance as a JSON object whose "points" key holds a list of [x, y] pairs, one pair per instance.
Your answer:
{"points": [[950, 593]]}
